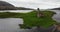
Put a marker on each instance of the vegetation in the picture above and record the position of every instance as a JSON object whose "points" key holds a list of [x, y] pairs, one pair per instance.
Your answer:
{"points": [[31, 19]]}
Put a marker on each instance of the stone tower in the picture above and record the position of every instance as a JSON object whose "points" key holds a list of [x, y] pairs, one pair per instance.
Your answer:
{"points": [[39, 13]]}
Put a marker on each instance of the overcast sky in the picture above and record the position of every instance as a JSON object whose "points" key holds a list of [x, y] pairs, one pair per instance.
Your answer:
{"points": [[43, 4]]}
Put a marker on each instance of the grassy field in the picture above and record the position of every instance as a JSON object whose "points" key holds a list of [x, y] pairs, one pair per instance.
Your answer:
{"points": [[31, 19]]}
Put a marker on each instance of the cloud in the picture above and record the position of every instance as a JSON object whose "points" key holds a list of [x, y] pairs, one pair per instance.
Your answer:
{"points": [[43, 4]]}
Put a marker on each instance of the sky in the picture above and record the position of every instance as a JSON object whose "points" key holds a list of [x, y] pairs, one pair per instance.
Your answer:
{"points": [[42, 4]]}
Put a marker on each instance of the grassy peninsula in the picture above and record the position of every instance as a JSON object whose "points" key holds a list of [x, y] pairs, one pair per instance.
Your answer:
{"points": [[31, 19]]}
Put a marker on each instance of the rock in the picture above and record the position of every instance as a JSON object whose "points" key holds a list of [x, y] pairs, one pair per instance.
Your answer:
{"points": [[57, 28]]}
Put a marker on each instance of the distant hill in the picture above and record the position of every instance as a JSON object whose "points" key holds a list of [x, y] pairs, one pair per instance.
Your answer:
{"points": [[7, 6], [23, 8], [55, 9]]}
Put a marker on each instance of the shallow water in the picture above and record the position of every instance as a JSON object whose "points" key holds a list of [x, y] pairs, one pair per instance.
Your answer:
{"points": [[10, 24], [56, 17], [16, 11]]}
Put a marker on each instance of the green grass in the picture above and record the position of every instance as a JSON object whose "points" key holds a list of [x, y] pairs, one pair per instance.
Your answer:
{"points": [[31, 19]]}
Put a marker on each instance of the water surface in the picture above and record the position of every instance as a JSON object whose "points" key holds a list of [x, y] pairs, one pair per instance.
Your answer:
{"points": [[56, 16], [16, 11], [10, 24]]}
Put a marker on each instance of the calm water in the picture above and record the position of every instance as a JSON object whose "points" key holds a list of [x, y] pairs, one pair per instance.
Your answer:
{"points": [[56, 17], [11, 24], [16, 11]]}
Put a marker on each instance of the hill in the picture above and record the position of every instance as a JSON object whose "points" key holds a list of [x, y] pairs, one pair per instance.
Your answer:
{"points": [[7, 6], [23, 8], [55, 9]]}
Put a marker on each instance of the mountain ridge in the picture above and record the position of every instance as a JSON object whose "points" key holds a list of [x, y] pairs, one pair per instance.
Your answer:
{"points": [[7, 6]]}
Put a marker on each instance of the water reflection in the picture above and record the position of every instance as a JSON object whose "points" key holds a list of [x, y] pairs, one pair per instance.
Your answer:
{"points": [[10, 24], [56, 17], [17, 11]]}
